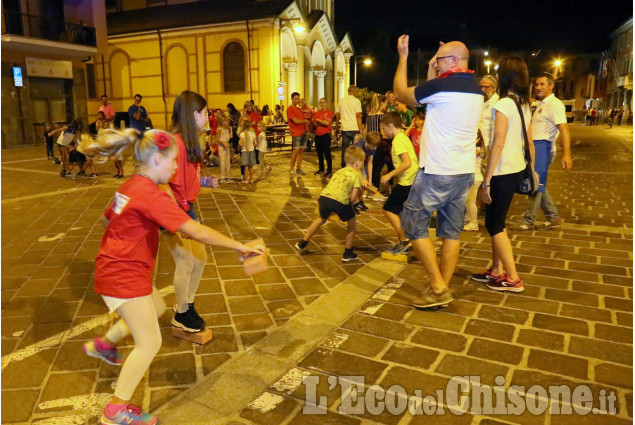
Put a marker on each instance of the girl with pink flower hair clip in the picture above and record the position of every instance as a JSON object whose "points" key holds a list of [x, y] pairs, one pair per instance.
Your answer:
{"points": [[124, 265]]}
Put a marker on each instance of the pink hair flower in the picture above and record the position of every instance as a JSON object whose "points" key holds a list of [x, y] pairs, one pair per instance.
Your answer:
{"points": [[162, 140]]}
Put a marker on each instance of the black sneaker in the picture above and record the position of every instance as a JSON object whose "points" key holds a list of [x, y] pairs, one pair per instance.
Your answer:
{"points": [[188, 322], [301, 245], [194, 313], [81, 173], [63, 173], [362, 206], [349, 256], [327, 175], [318, 173]]}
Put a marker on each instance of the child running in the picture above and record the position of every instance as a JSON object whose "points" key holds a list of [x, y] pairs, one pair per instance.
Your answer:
{"points": [[261, 149], [124, 265], [224, 135], [406, 167], [247, 151], [70, 133], [340, 193]]}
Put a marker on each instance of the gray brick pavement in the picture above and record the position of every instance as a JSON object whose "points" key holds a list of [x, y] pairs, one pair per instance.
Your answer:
{"points": [[572, 325]]}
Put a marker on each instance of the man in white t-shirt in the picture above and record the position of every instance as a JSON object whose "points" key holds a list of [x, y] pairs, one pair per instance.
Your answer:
{"points": [[548, 121], [488, 86], [447, 157], [348, 119]]}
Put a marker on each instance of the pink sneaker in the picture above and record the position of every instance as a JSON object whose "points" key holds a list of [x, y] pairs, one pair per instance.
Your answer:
{"points": [[503, 284], [129, 415], [97, 349]]}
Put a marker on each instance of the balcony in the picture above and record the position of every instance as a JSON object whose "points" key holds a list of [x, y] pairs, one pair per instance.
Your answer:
{"points": [[35, 26]]}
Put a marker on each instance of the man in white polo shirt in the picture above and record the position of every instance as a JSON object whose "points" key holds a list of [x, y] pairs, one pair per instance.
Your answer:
{"points": [[548, 120], [447, 157], [349, 118], [488, 86]]}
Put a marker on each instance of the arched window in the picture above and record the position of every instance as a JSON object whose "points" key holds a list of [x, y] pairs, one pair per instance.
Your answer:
{"points": [[234, 68]]}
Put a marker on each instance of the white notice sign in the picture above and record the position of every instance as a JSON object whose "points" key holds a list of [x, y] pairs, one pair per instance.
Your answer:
{"points": [[49, 68]]}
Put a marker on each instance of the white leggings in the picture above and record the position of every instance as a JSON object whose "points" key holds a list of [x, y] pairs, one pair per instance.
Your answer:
{"points": [[190, 258], [225, 159], [139, 317]]}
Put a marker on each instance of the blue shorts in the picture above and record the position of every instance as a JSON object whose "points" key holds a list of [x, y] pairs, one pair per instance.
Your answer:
{"points": [[446, 195], [299, 141]]}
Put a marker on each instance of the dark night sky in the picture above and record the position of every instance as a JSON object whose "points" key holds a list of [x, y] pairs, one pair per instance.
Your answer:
{"points": [[556, 27]]}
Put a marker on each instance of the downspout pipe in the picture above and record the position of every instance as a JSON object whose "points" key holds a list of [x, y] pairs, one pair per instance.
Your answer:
{"points": [[251, 94]]}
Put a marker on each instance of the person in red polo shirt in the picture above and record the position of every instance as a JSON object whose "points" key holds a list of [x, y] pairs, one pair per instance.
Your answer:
{"points": [[125, 263], [322, 120], [297, 125]]}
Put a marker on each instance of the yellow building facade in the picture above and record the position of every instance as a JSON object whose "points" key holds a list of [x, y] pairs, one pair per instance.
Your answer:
{"points": [[227, 62]]}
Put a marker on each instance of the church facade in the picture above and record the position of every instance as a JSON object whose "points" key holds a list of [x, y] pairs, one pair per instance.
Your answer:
{"points": [[228, 51]]}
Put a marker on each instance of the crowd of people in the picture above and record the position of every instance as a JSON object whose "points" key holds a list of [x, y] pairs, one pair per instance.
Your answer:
{"points": [[474, 144]]}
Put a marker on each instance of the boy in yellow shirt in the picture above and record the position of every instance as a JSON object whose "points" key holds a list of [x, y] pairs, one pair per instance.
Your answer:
{"points": [[343, 190], [406, 166]]}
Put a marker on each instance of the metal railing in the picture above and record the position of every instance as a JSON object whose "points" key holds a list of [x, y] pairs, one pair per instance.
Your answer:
{"points": [[17, 23]]}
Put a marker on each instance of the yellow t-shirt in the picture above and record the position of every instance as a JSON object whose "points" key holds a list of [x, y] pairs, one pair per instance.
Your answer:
{"points": [[342, 184], [402, 144]]}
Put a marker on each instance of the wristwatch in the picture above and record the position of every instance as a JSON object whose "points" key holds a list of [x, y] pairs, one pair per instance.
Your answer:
{"points": [[484, 185]]}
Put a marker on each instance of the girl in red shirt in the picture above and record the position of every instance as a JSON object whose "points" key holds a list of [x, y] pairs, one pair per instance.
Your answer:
{"points": [[124, 265], [188, 122]]}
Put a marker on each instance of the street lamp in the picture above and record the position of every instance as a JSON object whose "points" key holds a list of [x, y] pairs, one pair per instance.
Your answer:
{"points": [[557, 64], [488, 63], [365, 61]]}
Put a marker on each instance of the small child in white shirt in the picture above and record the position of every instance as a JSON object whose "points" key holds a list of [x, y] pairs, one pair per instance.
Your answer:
{"points": [[261, 149]]}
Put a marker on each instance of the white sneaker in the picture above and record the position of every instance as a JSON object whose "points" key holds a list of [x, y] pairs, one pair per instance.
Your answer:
{"points": [[471, 227]]}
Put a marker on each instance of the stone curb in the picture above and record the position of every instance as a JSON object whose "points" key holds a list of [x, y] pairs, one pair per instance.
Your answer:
{"points": [[224, 392]]}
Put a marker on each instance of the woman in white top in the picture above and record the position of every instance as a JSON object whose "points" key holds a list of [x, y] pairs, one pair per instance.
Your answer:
{"points": [[505, 171]]}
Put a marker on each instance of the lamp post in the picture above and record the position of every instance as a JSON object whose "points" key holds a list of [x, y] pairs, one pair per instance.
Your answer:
{"points": [[365, 61], [488, 63]]}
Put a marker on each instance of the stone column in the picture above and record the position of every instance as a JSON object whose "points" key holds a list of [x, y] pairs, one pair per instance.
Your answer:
{"points": [[328, 88], [340, 87], [320, 85], [347, 69], [308, 90], [299, 82], [291, 68]]}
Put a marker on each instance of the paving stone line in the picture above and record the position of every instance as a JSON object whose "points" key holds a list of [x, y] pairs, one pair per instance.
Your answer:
{"points": [[239, 380]]}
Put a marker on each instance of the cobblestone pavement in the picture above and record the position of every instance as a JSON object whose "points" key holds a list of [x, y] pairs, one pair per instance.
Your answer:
{"points": [[310, 315]]}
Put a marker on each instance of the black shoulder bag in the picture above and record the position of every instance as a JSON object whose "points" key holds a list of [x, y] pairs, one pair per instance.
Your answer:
{"points": [[529, 183]]}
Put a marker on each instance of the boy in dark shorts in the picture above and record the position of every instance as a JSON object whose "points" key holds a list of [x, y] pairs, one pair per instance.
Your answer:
{"points": [[75, 157], [343, 190], [406, 166]]}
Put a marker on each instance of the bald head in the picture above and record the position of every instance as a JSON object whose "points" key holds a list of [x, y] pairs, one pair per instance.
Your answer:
{"points": [[455, 54], [457, 49]]}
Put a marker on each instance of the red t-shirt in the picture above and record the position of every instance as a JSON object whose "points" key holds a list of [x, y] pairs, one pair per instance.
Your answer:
{"points": [[213, 124], [186, 181], [324, 116], [296, 129], [415, 136], [123, 267], [254, 117]]}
